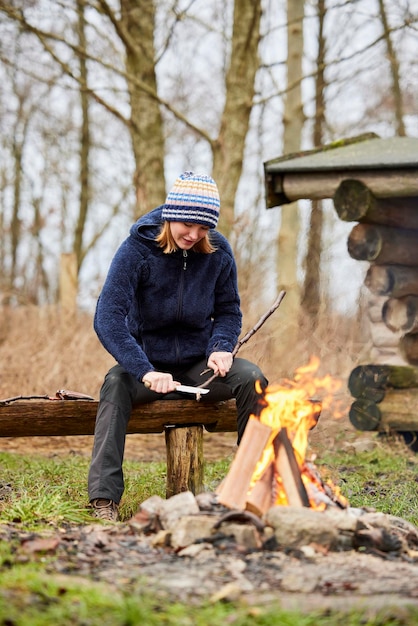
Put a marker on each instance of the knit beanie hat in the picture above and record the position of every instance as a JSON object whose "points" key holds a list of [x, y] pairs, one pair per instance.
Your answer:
{"points": [[193, 198]]}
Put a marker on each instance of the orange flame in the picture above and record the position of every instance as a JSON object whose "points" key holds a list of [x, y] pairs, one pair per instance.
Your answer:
{"points": [[295, 406]]}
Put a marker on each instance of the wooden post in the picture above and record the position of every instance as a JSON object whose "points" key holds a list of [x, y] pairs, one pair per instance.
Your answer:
{"points": [[184, 448], [68, 283]]}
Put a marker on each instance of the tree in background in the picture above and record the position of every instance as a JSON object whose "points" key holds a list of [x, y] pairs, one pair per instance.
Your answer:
{"points": [[167, 86], [394, 70], [311, 295], [293, 121], [228, 148]]}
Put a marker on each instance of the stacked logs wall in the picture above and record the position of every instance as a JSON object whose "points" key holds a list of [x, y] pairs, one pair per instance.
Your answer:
{"points": [[386, 236]]}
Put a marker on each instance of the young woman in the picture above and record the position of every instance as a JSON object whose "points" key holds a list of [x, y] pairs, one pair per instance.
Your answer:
{"points": [[169, 309]]}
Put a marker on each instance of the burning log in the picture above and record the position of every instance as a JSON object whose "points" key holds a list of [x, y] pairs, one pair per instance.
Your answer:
{"points": [[289, 471], [262, 495], [383, 245], [243, 488], [355, 202], [269, 468], [401, 314], [392, 280], [233, 490]]}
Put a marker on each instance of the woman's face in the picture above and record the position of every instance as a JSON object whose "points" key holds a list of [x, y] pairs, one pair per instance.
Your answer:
{"points": [[187, 234]]}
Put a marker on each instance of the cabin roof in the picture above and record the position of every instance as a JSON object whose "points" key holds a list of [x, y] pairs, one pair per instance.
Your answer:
{"points": [[365, 153]]}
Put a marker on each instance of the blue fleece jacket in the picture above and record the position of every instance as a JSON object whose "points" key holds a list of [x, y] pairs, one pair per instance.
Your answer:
{"points": [[159, 310]]}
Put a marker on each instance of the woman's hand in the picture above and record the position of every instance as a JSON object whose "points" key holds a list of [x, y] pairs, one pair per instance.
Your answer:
{"points": [[160, 382], [220, 362]]}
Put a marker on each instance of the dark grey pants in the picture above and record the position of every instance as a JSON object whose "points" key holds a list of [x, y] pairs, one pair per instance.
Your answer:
{"points": [[121, 391]]}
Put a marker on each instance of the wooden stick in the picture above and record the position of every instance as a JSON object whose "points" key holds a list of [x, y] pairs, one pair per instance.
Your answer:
{"points": [[260, 322], [249, 334], [15, 398]]}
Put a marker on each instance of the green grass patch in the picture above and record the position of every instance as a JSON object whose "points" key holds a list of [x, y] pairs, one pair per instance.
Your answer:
{"points": [[385, 478], [35, 491]]}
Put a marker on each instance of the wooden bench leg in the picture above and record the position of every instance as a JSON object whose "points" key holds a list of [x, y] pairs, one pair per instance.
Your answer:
{"points": [[184, 447]]}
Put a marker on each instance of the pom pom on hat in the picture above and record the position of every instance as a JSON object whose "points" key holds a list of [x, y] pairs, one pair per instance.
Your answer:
{"points": [[193, 198]]}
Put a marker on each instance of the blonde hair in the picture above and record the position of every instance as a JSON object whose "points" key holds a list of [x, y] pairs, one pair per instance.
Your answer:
{"points": [[166, 241]]}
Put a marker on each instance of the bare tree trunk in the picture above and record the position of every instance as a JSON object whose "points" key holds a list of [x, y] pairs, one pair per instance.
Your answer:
{"points": [[311, 299], [394, 67], [15, 227], [137, 22], [293, 124], [228, 151], [85, 140]]}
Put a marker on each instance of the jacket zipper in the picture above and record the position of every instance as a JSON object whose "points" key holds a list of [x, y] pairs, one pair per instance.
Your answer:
{"points": [[180, 301]]}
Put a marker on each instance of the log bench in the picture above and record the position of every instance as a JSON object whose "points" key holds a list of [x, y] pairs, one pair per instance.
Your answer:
{"points": [[182, 421]]}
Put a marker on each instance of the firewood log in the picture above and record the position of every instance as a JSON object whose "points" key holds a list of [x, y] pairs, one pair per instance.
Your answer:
{"points": [[401, 314], [354, 202], [318, 185], [408, 346], [383, 245], [371, 381], [397, 411], [392, 280]]}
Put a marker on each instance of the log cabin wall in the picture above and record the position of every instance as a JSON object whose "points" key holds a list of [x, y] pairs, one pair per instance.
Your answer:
{"points": [[373, 183], [386, 236]]}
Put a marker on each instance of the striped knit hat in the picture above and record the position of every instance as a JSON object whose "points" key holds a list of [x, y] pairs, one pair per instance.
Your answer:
{"points": [[193, 198]]}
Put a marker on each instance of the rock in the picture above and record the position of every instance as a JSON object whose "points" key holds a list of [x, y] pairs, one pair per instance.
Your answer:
{"points": [[196, 550], [177, 506], [151, 505], [295, 527], [188, 529], [244, 535]]}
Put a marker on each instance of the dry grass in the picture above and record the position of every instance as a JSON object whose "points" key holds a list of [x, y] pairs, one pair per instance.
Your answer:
{"points": [[43, 350]]}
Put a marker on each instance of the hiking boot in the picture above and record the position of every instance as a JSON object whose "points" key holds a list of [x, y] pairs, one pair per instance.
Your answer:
{"points": [[105, 509]]}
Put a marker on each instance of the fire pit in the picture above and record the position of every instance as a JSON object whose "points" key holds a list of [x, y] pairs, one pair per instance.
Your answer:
{"points": [[270, 467]]}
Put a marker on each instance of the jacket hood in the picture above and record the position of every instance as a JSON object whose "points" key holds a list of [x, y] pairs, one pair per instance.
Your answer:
{"points": [[148, 225]]}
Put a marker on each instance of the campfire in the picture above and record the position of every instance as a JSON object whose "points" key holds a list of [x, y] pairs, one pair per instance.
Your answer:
{"points": [[270, 467]]}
